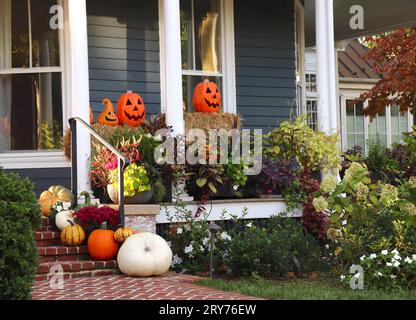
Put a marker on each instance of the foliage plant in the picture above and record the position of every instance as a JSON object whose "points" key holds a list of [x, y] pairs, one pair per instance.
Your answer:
{"points": [[314, 150], [136, 180], [368, 217], [19, 217]]}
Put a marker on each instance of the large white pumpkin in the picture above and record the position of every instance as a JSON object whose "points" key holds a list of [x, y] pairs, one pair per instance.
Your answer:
{"points": [[144, 255], [61, 219]]}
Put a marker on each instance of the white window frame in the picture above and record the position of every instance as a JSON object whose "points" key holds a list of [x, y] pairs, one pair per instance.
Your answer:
{"points": [[227, 75], [33, 159], [299, 21], [352, 96]]}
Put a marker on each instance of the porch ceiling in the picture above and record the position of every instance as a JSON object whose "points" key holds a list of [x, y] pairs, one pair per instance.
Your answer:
{"points": [[379, 16]]}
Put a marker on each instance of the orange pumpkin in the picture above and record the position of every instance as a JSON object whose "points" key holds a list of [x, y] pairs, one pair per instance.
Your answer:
{"points": [[207, 97], [102, 246], [91, 117], [108, 117], [131, 110]]}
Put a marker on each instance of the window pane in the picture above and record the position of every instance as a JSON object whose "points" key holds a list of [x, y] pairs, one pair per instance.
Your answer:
{"points": [[30, 112], [189, 84], [312, 114], [377, 129], [355, 124], [45, 41], [208, 35], [19, 21], [187, 35]]}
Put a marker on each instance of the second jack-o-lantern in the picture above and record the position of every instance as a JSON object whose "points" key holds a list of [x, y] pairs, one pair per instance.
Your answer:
{"points": [[207, 97], [131, 110], [108, 117]]}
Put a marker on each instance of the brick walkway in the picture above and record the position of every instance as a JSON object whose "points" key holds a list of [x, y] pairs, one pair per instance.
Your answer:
{"points": [[169, 287]]}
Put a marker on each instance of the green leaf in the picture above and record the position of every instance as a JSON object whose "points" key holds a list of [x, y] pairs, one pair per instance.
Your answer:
{"points": [[212, 187], [201, 182]]}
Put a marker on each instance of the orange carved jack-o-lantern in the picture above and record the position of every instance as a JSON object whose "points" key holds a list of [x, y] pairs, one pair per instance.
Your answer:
{"points": [[207, 97], [91, 117], [131, 110], [108, 117]]}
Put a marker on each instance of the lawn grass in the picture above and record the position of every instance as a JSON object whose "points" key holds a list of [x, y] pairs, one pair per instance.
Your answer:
{"points": [[303, 289]]}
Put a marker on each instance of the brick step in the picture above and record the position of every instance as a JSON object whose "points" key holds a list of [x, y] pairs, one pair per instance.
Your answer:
{"points": [[79, 274], [77, 266], [61, 253], [47, 238]]}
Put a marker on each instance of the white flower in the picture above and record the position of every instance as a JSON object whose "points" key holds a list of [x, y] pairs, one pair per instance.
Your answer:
{"points": [[414, 257], [249, 225], [179, 231], [385, 252], [373, 256], [344, 223], [396, 264], [389, 264], [235, 187], [59, 208], [342, 278], [188, 250], [327, 247], [379, 274], [205, 241], [176, 261], [202, 249], [397, 257], [362, 258], [225, 236], [393, 277], [395, 252], [408, 260], [66, 205]]}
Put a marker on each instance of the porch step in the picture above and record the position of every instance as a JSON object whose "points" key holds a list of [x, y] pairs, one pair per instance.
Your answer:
{"points": [[61, 253], [75, 261], [47, 238]]}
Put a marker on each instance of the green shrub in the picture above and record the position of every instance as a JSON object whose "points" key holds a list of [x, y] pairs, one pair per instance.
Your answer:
{"points": [[280, 247], [19, 216]]}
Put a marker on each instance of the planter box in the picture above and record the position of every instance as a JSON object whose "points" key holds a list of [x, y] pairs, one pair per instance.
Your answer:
{"points": [[257, 208]]}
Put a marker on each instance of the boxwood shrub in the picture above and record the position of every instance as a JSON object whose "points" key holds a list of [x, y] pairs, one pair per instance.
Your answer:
{"points": [[19, 216]]}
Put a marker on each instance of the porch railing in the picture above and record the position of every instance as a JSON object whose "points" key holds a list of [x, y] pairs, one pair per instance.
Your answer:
{"points": [[123, 162]]}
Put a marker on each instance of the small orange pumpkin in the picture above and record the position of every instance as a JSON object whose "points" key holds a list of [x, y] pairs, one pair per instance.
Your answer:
{"points": [[131, 110], [207, 97], [108, 117], [102, 246]]}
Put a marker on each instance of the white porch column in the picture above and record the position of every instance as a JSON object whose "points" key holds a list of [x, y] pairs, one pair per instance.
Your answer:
{"points": [[78, 83], [326, 67], [172, 99]]}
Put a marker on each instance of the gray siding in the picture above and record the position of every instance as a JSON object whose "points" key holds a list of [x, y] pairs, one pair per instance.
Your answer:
{"points": [[44, 178], [265, 61], [123, 39]]}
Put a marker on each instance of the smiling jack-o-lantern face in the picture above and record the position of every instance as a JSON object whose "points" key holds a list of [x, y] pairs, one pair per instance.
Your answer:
{"points": [[108, 117], [207, 97], [131, 110]]}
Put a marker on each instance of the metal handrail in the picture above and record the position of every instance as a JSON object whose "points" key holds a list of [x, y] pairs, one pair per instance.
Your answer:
{"points": [[123, 162]]}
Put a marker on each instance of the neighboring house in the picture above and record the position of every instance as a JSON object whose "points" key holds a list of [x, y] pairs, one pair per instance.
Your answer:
{"points": [[355, 77], [160, 48]]}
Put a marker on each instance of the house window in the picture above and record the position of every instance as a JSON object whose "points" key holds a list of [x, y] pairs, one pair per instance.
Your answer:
{"points": [[311, 101], [207, 47], [358, 130], [31, 104]]}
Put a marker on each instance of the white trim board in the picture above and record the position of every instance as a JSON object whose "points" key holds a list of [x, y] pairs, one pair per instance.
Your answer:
{"points": [[257, 209]]}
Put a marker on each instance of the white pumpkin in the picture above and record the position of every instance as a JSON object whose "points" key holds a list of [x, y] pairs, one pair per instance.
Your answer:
{"points": [[61, 219], [144, 255]]}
